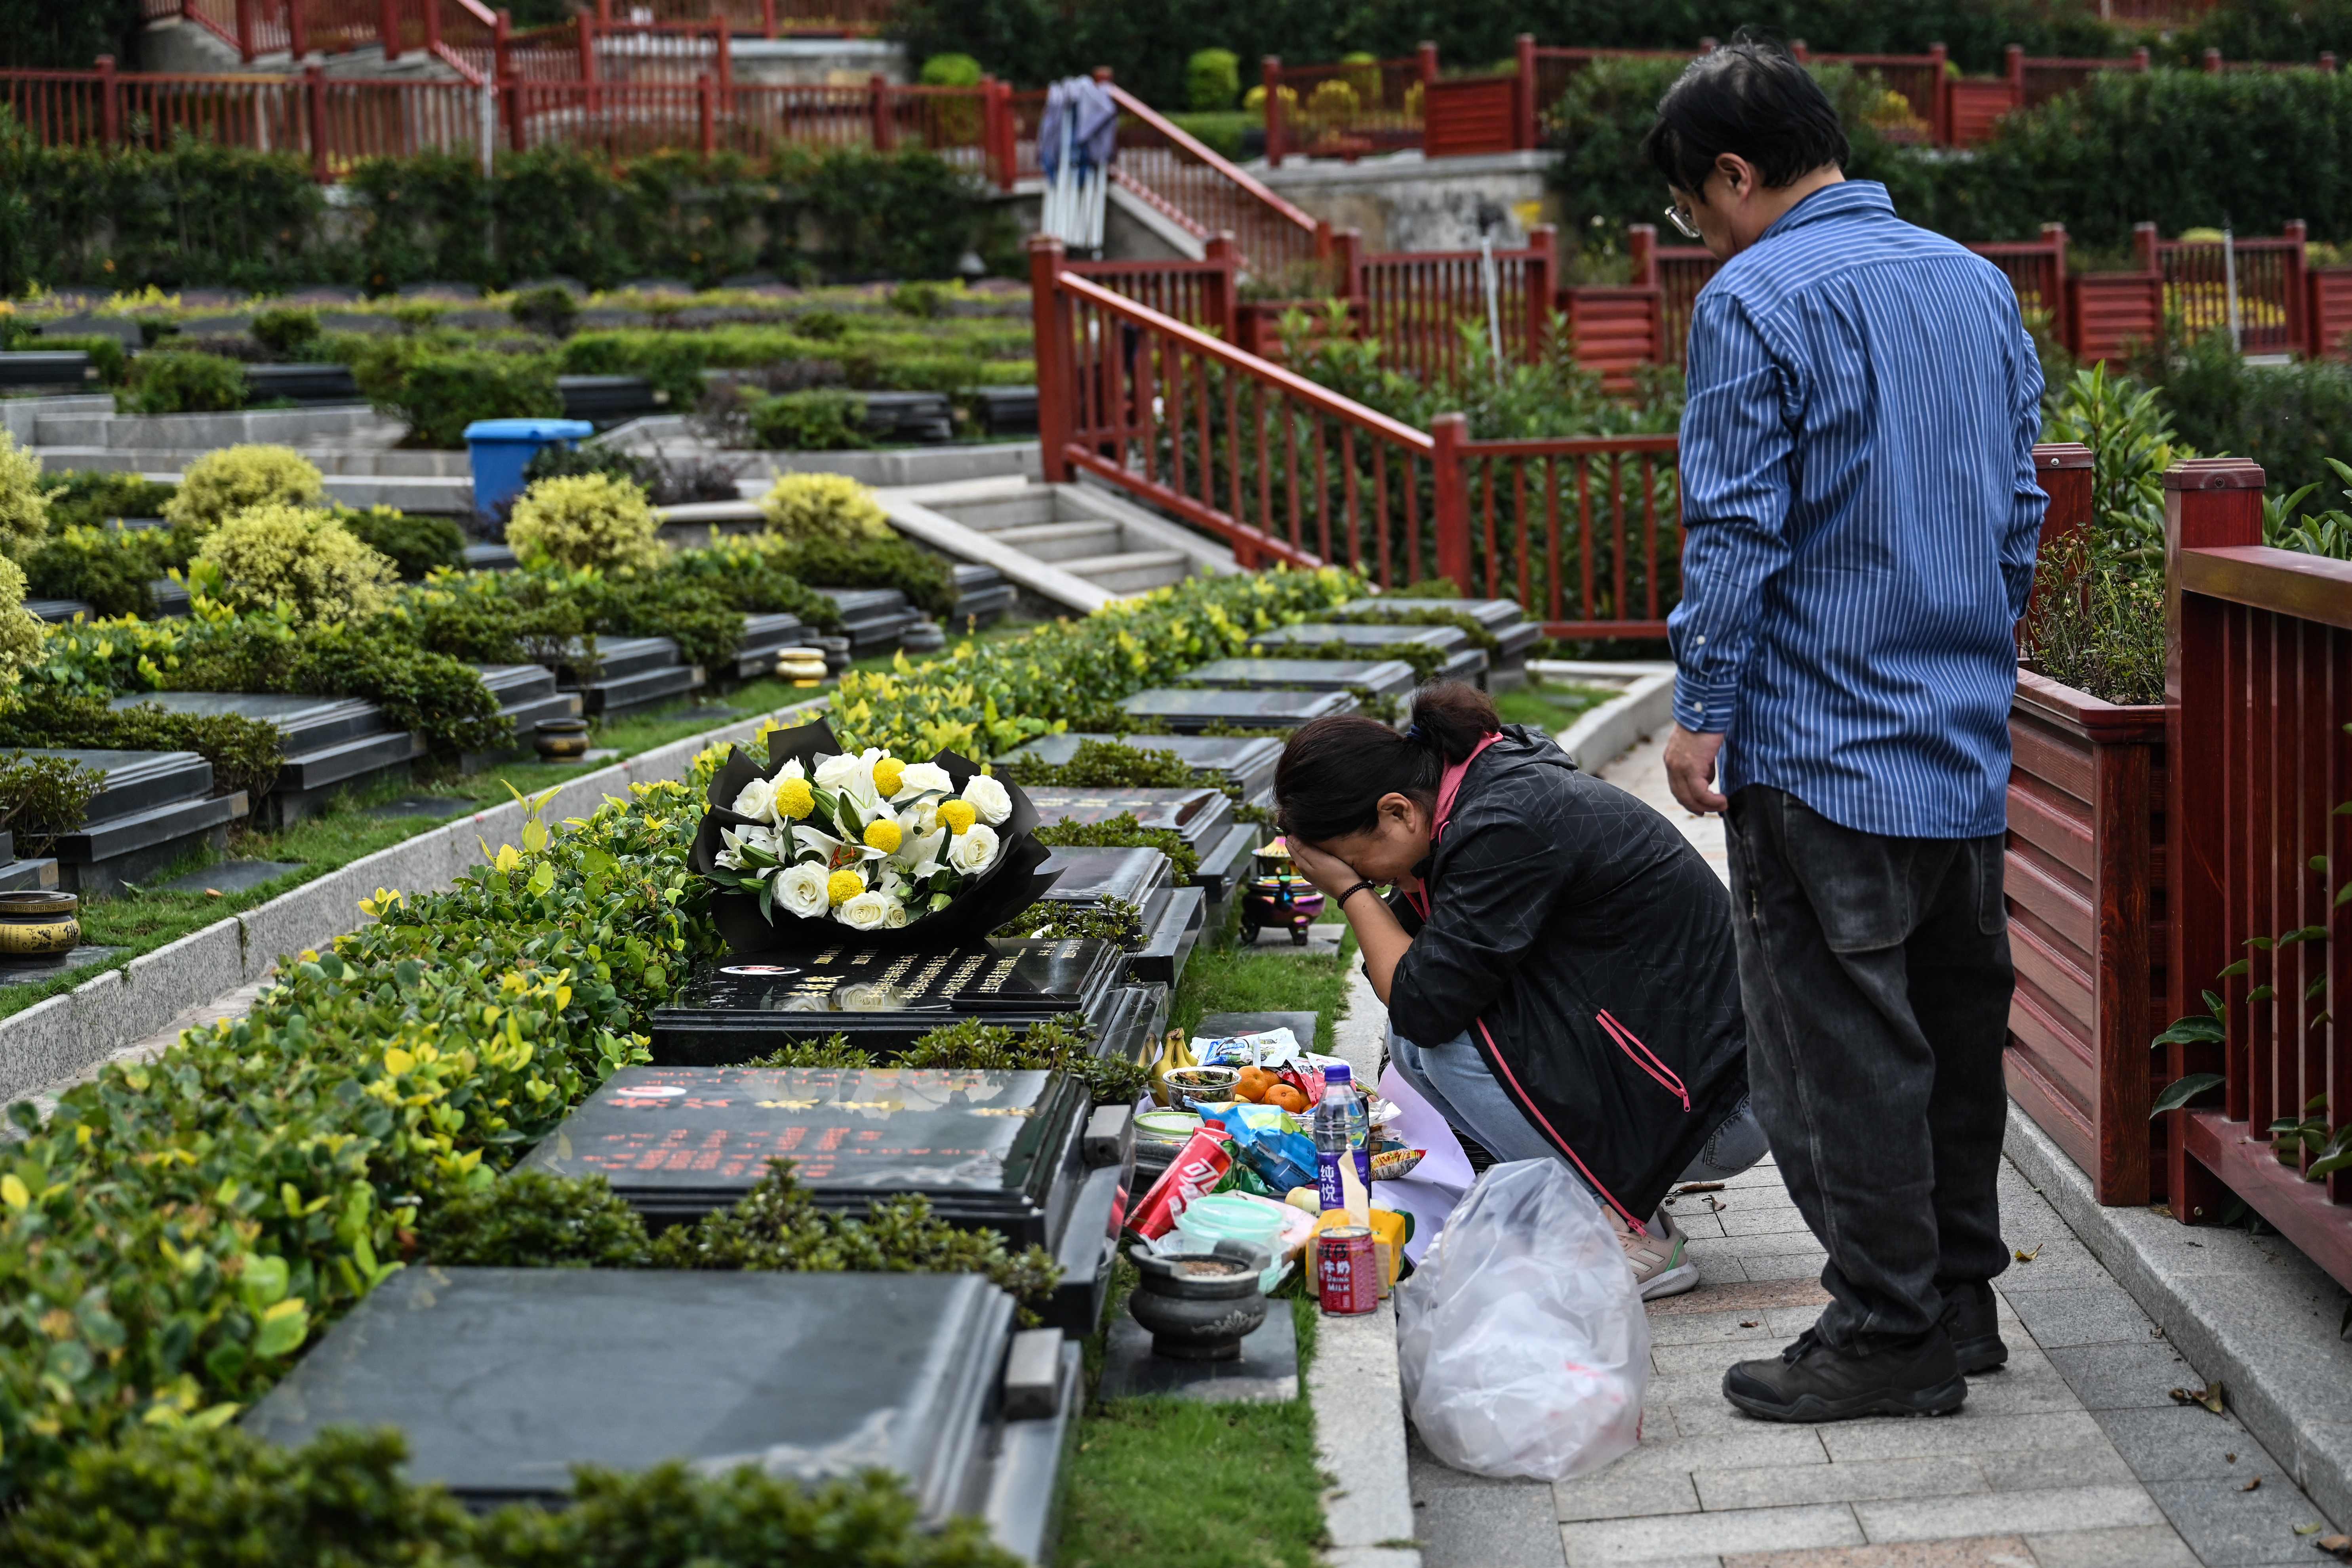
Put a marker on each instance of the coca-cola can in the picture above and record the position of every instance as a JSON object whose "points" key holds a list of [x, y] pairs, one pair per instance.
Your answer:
{"points": [[1347, 1271]]}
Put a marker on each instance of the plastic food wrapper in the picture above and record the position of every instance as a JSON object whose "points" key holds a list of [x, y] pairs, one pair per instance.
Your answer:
{"points": [[1270, 1139], [1275, 1048], [1521, 1340]]}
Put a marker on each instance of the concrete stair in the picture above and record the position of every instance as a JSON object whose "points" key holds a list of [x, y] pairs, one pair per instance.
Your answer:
{"points": [[1069, 546]]}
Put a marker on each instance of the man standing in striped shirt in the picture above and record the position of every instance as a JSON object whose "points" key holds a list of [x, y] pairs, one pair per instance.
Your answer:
{"points": [[1862, 515]]}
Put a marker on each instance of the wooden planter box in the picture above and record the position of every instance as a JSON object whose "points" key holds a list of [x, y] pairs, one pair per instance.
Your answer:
{"points": [[2086, 884]]}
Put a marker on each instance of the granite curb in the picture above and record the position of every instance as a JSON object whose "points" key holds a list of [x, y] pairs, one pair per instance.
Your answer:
{"points": [[1610, 731], [2249, 1310], [53, 1040]]}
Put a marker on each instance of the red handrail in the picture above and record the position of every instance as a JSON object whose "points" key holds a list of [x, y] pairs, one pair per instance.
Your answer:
{"points": [[1169, 167]]}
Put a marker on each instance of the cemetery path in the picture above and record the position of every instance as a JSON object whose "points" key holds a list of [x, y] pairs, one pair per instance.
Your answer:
{"points": [[2073, 1456]]}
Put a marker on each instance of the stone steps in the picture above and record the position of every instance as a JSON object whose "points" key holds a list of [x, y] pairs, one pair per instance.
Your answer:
{"points": [[331, 743], [1066, 547], [153, 808], [628, 673]]}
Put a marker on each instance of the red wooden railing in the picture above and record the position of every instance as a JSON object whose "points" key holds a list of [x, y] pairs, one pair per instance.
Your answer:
{"points": [[1917, 80], [1205, 193], [1585, 531], [2260, 689], [1201, 294], [1345, 109], [770, 19], [1417, 302]]}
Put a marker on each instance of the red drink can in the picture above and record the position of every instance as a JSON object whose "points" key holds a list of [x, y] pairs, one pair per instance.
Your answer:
{"points": [[1198, 1167], [1347, 1271]]}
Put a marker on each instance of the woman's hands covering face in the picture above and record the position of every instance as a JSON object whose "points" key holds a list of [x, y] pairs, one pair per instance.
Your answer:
{"points": [[1330, 875]]}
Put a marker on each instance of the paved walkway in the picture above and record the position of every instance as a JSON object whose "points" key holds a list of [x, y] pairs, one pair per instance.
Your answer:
{"points": [[2075, 1456]]}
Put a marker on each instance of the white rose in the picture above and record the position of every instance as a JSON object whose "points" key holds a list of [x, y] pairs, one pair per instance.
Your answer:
{"points": [[988, 799], [757, 800], [866, 912], [924, 778], [846, 773], [974, 851], [895, 916], [801, 888]]}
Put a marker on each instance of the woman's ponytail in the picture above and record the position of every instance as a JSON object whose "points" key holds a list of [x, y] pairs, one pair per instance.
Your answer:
{"points": [[1335, 770]]}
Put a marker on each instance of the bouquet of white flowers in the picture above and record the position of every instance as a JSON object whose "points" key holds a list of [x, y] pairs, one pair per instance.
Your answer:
{"points": [[826, 838]]}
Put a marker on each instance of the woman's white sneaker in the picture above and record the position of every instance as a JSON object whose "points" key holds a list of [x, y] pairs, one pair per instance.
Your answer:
{"points": [[1660, 1267]]}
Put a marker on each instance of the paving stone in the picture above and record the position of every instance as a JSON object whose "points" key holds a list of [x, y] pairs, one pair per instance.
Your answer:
{"points": [[1716, 1327], [1715, 1357], [1969, 1431], [1780, 1486], [2184, 1442], [1763, 1220], [2083, 1315], [2060, 1508], [1489, 1528], [1697, 1224], [1772, 1244], [1620, 1541], [2227, 1526], [1739, 1297], [1429, 1475], [1761, 1443], [1792, 1266], [2084, 1465], [2125, 1377], [1620, 1493], [1981, 1552], [2134, 1546]]}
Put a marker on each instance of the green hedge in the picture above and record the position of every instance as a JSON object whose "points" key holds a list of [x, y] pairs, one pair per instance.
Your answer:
{"points": [[2178, 147], [1032, 42], [197, 213]]}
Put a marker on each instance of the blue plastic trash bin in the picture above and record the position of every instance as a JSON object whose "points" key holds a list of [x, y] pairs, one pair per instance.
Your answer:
{"points": [[501, 448]]}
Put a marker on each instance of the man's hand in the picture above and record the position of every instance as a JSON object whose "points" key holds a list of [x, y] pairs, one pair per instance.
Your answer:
{"points": [[1690, 770]]}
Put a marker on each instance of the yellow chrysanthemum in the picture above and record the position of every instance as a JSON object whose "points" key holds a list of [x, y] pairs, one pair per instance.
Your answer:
{"points": [[884, 834], [794, 798], [888, 773], [958, 816], [844, 886]]}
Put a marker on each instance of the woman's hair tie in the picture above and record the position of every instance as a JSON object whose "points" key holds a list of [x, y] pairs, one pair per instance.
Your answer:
{"points": [[1417, 735]]}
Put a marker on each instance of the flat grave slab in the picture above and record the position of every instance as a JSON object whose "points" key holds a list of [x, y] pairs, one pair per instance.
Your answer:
{"points": [[1197, 815], [1183, 709], [872, 618], [1248, 760], [1173, 916], [881, 999], [628, 674], [1463, 659], [1380, 677], [153, 808], [526, 693], [503, 1379], [230, 876], [331, 742], [1502, 620]]}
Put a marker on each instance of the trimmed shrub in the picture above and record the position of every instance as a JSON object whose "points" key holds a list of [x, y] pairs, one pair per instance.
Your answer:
{"points": [[106, 352], [177, 381], [289, 330], [416, 546], [550, 309], [88, 496], [887, 561], [243, 753], [236, 479], [587, 519], [440, 391], [112, 570], [41, 798], [297, 556], [802, 507], [950, 71], [809, 422], [24, 498], [1212, 79], [20, 634]]}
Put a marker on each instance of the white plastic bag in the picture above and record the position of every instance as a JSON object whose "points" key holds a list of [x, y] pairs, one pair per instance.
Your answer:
{"points": [[1521, 1339]]}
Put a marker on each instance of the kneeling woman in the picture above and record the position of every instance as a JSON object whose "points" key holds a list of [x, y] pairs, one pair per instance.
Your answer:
{"points": [[1556, 957]]}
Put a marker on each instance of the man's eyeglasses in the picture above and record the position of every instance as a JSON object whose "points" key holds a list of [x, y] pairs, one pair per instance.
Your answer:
{"points": [[1680, 219]]}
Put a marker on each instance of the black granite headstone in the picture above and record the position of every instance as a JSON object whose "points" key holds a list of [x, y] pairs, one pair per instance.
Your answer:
{"points": [[1380, 677], [881, 1000], [1198, 815], [1089, 877], [1183, 709], [1248, 760], [503, 1379]]}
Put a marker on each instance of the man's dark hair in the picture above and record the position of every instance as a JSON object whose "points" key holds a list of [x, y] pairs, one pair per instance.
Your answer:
{"points": [[1750, 98]]}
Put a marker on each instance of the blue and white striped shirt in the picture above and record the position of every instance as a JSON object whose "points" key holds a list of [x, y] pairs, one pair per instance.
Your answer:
{"points": [[1861, 516]]}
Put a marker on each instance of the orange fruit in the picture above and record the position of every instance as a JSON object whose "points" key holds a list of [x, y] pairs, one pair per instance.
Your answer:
{"points": [[1255, 1082], [1288, 1097]]}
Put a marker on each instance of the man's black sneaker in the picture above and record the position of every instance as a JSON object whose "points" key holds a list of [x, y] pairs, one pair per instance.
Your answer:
{"points": [[1974, 1329], [1811, 1382]]}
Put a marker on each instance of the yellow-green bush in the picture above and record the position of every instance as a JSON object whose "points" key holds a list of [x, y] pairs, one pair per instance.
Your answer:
{"points": [[20, 634], [236, 479], [585, 520], [24, 504], [296, 555], [824, 506]]}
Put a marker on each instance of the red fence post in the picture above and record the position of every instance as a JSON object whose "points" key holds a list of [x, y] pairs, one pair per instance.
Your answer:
{"points": [[298, 32], [706, 112], [2055, 233], [992, 133], [767, 18], [877, 113], [1642, 250], [1220, 289], [2012, 59], [1525, 139], [1050, 328], [2209, 503], [1425, 61], [109, 101], [2212, 62], [387, 27], [1348, 265], [1270, 83], [1448, 432], [1796, 47], [1939, 98], [2142, 60], [1542, 283], [432, 25], [2293, 265], [2145, 245], [314, 92], [723, 53], [244, 31]]}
